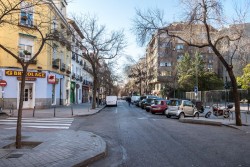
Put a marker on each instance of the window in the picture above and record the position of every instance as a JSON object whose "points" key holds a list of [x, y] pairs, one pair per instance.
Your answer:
{"points": [[166, 73], [26, 14], [54, 50], [54, 24], [179, 47], [180, 57], [25, 47], [165, 64]]}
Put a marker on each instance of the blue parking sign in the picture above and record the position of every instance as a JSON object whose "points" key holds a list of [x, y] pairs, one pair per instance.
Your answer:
{"points": [[196, 89]]}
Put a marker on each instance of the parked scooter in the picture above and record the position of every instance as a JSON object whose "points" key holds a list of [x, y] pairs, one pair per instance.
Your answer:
{"points": [[222, 111], [203, 111]]}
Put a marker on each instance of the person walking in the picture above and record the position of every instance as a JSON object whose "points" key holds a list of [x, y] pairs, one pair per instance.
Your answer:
{"points": [[129, 100]]}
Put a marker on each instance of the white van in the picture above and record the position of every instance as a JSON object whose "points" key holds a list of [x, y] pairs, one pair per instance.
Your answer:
{"points": [[134, 98], [111, 100]]}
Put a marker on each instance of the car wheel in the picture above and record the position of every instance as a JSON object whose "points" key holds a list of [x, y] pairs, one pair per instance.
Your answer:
{"points": [[182, 115], [226, 114], [208, 115], [168, 116], [196, 115]]}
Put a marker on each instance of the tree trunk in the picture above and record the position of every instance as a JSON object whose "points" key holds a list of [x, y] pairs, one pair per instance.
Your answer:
{"points": [[20, 108], [94, 91], [236, 97]]}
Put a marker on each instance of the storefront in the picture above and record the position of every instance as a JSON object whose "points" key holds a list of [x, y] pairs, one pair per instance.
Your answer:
{"points": [[42, 89]]}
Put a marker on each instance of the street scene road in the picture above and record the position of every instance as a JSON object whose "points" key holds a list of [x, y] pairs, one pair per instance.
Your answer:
{"points": [[137, 138]]}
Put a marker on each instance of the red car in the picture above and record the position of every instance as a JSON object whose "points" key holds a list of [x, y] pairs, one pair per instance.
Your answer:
{"points": [[159, 107]]}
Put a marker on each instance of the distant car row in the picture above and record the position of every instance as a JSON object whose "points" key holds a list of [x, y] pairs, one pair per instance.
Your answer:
{"points": [[174, 107]]}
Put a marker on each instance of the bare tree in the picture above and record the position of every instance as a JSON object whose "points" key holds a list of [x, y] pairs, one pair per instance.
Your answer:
{"points": [[203, 14], [137, 71], [99, 45], [9, 17]]}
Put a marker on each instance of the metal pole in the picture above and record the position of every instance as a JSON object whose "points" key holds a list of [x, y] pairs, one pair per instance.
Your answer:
{"points": [[34, 111], [72, 113], [55, 111]]}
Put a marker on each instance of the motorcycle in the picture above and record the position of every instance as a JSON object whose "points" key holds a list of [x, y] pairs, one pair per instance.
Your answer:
{"points": [[221, 110]]}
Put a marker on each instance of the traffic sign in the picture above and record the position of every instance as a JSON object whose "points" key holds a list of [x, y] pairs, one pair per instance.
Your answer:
{"points": [[3, 83]]}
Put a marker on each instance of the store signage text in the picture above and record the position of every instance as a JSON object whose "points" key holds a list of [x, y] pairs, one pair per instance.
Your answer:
{"points": [[29, 74], [26, 79]]}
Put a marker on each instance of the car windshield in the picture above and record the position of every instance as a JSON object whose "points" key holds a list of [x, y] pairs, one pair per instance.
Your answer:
{"points": [[150, 100], [157, 102], [174, 102]]}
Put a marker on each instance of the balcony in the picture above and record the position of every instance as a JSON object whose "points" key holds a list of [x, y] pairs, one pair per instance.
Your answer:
{"points": [[73, 76], [68, 71], [63, 67], [77, 77], [26, 61], [73, 56], [68, 46], [55, 63], [86, 68], [77, 59], [81, 62]]}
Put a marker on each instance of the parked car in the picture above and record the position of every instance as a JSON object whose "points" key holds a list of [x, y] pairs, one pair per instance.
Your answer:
{"points": [[181, 109], [139, 104], [149, 102], [134, 99], [159, 106]]}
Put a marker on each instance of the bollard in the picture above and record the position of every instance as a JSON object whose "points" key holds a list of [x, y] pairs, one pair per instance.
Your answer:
{"points": [[34, 111], [55, 111], [246, 116], [72, 113]]}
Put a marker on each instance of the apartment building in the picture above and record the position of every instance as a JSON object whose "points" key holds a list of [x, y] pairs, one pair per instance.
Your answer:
{"points": [[164, 52], [52, 74], [81, 79]]}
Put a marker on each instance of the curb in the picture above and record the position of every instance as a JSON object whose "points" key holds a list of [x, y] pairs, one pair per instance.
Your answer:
{"points": [[197, 121], [85, 115], [94, 158]]}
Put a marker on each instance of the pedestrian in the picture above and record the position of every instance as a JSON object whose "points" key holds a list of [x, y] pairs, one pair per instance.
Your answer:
{"points": [[129, 100]]}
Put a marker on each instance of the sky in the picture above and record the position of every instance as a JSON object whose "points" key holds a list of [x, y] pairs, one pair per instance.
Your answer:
{"points": [[118, 14]]}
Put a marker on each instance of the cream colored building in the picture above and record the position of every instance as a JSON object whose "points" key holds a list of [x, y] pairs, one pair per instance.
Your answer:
{"points": [[48, 78]]}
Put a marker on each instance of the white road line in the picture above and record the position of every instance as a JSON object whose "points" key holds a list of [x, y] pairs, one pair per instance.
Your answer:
{"points": [[53, 123]]}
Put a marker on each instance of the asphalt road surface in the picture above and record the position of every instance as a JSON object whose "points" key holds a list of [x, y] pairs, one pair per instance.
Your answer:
{"points": [[137, 138]]}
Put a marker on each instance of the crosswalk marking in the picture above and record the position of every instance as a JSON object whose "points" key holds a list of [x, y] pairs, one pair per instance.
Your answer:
{"points": [[42, 123]]}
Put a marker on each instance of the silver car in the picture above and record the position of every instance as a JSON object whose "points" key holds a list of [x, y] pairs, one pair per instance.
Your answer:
{"points": [[181, 109]]}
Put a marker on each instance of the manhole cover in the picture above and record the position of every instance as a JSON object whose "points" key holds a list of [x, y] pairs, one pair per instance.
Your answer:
{"points": [[14, 156]]}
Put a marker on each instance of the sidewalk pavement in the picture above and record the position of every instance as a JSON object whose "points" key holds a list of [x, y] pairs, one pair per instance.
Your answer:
{"points": [[221, 121], [61, 148]]}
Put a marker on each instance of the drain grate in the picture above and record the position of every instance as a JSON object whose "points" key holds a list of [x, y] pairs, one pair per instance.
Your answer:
{"points": [[14, 156]]}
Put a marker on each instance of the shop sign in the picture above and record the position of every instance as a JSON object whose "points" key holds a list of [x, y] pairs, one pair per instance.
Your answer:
{"points": [[51, 78], [3, 83], [26, 79], [29, 74]]}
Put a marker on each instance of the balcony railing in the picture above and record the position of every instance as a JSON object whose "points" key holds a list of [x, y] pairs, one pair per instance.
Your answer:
{"points": [[73, 56], [73, 76], [25, 61], [68, 70], [77, 77]]}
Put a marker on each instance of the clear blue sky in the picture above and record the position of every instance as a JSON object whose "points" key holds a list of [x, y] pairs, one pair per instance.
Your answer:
{"points": [[117, 14]]}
